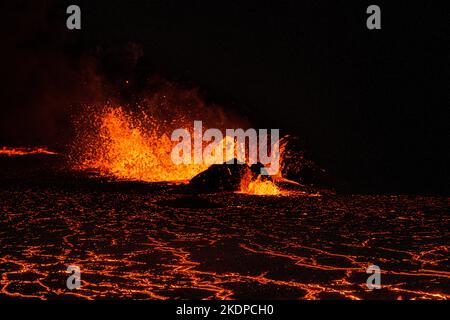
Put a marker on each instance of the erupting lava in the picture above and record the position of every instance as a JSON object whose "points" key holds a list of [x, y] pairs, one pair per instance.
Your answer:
{"points": [[135, 148], [125, 149], [259, 186]]}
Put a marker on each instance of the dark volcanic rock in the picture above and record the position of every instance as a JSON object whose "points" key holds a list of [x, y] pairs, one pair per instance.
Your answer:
{"points": [[298, 166], [191, 202], [221, 177]]}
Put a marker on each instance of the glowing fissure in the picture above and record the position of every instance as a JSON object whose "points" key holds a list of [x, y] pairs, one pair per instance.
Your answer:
{"points": [[24, 151]]}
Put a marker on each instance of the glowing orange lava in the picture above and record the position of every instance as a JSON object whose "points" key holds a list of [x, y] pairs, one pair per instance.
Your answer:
{"points": [[126, 150], [24, 151], [259, 187], [135, 147]]}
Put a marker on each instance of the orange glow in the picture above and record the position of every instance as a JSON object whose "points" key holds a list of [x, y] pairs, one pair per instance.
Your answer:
{"points": [[125, 149], [24, 151], [259, 187], [136, 147]]}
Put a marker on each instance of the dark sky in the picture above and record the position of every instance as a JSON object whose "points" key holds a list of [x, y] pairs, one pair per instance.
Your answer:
{"points": [[369, 105]]}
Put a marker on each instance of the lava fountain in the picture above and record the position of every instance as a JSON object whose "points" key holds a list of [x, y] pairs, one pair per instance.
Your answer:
{"points": [[125, 149], [113, 141], [259, 187]]}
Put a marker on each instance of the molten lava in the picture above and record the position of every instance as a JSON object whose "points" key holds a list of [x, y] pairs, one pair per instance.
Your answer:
{"points": [[259, 187], [24, 151], [131, 147], [125, 149]]}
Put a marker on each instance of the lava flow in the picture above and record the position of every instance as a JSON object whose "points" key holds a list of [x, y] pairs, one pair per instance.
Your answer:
{"points": [[25, 151]]}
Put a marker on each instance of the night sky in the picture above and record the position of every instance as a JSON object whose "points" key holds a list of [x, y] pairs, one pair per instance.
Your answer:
{"points": [[369, 105]]}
